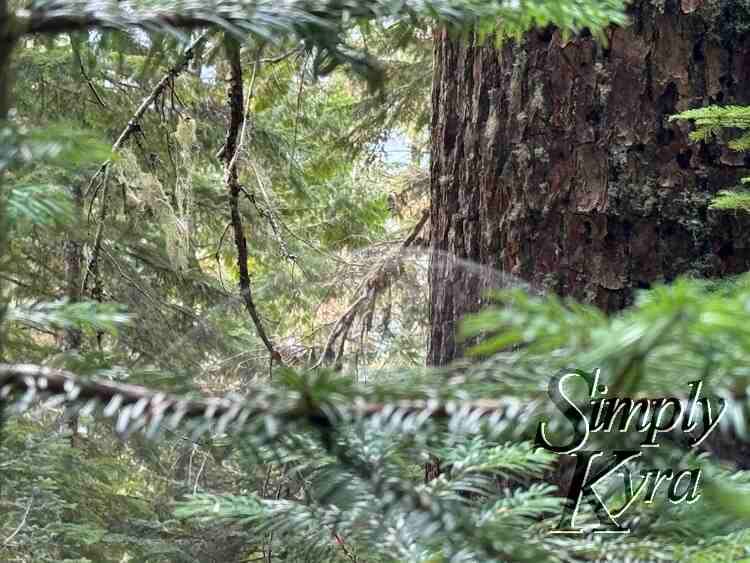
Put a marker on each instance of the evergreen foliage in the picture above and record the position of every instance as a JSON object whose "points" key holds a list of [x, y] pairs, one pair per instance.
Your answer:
{"points": [[719, 122], [121, 306]]}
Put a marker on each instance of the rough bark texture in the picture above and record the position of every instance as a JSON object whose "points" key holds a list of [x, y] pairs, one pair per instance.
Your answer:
{"points": [[554, 161]]}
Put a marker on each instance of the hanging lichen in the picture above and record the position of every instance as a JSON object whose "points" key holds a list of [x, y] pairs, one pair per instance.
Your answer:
{"points": [[183, 192], [147, 192]]}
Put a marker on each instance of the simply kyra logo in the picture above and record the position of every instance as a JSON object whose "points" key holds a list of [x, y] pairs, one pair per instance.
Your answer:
{"points": [[645, 415]]}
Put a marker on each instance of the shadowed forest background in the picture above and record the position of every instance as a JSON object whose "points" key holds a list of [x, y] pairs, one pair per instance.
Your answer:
{"points": [[371, 232]]}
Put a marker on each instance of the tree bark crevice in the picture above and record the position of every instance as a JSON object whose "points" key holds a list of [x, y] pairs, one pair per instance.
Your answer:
{"points": [[554, 160]]}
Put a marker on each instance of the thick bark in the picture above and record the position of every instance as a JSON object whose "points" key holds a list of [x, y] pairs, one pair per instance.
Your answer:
{"points": [[554, 161]]}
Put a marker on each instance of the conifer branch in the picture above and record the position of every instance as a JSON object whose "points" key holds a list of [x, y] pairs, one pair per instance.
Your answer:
{"points": [[132, 126], [143, 404], [134, 122], [314, 19], [166, 80]]}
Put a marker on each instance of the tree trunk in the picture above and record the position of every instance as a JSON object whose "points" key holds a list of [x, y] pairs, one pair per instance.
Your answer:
{"points": [[555, 161]]}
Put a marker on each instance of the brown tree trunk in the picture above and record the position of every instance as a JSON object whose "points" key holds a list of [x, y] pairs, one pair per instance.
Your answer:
{"points": [[554, 161]]}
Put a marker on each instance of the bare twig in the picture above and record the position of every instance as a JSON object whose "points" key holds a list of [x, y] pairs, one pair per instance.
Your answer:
{"points": [[281, 57], [133, 124], [90, 84], [298, 114], [166, 80], [368, 292], [200, 472], [218, 255], [22, 524], [270, 216]]}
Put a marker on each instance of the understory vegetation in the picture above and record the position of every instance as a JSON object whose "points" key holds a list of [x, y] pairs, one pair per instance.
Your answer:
{"points": [[231, 199]]}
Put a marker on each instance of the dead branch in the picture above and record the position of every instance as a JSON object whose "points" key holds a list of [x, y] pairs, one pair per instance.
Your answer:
{"points": [[230, 154], [270, 216], [379, 280], [173, 73]]}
